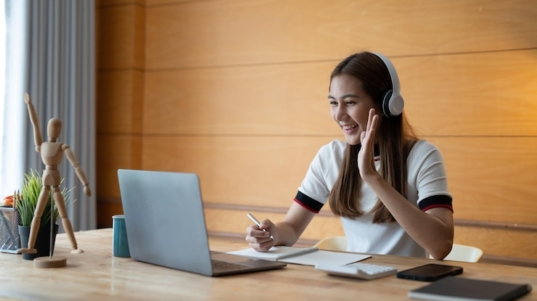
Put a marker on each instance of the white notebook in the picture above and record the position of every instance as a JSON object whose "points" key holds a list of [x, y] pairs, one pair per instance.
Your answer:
{"points": [[304, 256]]}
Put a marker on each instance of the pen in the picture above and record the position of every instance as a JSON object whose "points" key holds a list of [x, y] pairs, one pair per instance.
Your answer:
{"points": [[257, 223]]}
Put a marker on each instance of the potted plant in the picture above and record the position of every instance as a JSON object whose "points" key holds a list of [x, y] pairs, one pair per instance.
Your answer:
{"points": [[26, 202]]}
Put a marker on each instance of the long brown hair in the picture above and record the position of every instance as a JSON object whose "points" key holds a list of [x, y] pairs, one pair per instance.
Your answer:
{"points": [[395, 139]]}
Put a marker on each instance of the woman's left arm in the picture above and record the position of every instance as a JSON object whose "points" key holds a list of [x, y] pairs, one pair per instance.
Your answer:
{"points": [[432, 229]]}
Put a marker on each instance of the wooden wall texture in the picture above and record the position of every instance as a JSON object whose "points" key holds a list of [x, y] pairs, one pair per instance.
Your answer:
{"points": [[235, 91]]}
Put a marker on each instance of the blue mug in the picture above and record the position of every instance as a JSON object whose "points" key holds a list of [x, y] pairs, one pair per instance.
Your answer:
{"points": [[120, 241]]}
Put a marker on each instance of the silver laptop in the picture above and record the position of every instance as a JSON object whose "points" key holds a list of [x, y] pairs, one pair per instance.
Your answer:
{"points": [[166, 225]]}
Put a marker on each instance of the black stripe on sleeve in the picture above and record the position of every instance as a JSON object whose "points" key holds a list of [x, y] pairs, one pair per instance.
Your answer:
{"points": [[308, 203], [435, 201]]}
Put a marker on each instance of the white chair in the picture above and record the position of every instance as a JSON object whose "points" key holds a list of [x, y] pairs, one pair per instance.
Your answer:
{"points": [[336, 243], [464, 253], [458, 252]]}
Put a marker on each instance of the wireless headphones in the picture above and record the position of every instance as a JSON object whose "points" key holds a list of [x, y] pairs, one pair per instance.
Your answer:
{"points": [[392, 101]]}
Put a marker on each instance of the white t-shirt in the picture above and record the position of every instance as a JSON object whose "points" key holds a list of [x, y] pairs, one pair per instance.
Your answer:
{"points": [[427, 189]]}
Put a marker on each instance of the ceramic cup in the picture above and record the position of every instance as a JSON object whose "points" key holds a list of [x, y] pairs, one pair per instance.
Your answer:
{"points": [[120, 241]]}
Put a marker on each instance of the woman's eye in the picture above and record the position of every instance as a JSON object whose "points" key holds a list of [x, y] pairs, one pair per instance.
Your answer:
{"points": [[349, 102], [333, 103]]}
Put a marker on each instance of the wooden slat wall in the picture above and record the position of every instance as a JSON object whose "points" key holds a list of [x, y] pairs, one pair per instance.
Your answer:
{"points": [[235, 90], [120, 82]]}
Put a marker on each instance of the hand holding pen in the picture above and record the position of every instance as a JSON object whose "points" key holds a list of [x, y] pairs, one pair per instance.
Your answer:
{"points": [[251, 217]]}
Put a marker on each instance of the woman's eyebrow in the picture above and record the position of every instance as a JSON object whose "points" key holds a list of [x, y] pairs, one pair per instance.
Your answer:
{"points": [[344, 96]]}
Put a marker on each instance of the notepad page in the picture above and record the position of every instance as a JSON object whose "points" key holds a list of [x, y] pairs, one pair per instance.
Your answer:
{"points": [[326, 257], [275, 253]]}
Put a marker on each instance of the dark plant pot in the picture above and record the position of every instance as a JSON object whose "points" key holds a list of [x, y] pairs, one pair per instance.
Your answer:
{"points": [[42, 241]]}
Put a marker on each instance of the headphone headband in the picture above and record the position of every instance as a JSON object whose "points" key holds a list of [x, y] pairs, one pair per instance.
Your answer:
{"points": [[392, 101]]}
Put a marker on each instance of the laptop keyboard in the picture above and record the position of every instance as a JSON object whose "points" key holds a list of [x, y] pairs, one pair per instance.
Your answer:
{"points": [[223, 265]]}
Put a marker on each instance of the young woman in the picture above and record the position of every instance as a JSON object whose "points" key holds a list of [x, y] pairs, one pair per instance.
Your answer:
{"points": [[388, 187]]}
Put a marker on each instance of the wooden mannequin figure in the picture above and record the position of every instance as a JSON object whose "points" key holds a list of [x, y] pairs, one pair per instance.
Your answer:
{"points": [[52, 153]]}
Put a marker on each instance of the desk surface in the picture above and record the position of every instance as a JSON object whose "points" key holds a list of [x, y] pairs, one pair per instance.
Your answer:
{"points": [[97, 275]]}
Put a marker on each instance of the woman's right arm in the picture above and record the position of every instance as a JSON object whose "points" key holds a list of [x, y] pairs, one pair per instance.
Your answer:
{"points": [[284, 233]]}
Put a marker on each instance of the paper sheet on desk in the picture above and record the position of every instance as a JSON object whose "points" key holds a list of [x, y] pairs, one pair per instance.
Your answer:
{"points": [[326, 257], [304, 256]]}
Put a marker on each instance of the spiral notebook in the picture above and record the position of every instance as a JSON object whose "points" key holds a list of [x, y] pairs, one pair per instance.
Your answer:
{"points": [[303, 256]]}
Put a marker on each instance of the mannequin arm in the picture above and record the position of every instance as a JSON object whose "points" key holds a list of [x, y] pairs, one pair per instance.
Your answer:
{"points": [[38, 139], [78, 170]]}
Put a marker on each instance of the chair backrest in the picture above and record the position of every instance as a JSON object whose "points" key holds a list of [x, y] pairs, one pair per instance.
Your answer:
{"points": [[458, 252], [464, 253], [336, 243]]}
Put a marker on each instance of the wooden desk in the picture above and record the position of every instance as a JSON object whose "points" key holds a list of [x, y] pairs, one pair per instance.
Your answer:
{"points": [[97, 275]]}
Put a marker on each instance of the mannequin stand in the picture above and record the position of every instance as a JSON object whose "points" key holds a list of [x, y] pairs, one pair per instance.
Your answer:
{"points": [[50, 262]]}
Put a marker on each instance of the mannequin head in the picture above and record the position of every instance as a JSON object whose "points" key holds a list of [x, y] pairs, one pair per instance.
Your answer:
{"points": [[54, 129]]}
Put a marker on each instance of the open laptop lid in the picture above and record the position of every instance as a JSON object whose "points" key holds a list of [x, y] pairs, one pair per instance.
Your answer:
{"points": [[164, 219]]}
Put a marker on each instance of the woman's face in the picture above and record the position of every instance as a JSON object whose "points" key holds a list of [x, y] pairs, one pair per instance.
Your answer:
{"points": [[349, 106]]}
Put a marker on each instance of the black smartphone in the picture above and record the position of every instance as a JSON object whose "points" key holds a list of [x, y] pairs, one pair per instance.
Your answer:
{"points": [[430, 272]]}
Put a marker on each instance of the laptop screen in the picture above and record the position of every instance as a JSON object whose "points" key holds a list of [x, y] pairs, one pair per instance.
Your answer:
{"points": [[165, 220]]}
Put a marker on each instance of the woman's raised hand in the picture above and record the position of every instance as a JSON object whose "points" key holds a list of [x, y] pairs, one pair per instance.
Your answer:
{"points": [[366, 156]]}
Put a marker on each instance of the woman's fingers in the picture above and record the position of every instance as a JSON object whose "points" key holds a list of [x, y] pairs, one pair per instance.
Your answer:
{"points": [[372, 122], [366, 155], [258, 239]]}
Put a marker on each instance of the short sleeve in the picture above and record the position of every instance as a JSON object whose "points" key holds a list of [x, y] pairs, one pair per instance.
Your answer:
{"points": [[427, 165], [320, 177]]}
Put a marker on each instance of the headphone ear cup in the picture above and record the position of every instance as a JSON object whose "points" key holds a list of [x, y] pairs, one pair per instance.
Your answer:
{"points": [[386, 103], [396, 105], [392, 105]]}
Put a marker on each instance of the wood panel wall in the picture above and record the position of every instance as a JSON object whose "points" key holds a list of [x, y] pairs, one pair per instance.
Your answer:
{"points": [[235, 91]]}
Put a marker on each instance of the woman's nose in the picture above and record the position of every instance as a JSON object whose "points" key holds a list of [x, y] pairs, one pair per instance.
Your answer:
{"points": [[339, 113]]}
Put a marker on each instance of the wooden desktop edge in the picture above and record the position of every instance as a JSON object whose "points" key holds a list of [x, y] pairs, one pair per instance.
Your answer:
{"points": [[125, 279]]}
